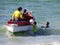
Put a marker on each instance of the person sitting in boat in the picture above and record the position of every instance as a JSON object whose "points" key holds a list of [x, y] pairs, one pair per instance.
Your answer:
{"points": [[27, 15], [17, 15]]}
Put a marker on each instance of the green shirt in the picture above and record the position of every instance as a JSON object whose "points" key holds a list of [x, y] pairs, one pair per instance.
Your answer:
{"points": [[34, 28]]}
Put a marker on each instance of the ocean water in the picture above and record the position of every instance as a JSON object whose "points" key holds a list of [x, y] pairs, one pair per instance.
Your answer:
{"points": [[43, 11]]}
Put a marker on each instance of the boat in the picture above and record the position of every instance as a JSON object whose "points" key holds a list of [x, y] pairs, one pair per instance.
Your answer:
{"points": [[14, 26], [17, 26]]}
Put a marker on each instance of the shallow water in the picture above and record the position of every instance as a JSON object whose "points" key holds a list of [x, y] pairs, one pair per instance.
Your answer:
{"points": [[43, 11]]}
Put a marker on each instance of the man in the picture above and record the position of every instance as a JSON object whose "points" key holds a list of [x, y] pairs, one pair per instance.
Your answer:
{"points": [[17, 15], [27, 15], [47, 24]]}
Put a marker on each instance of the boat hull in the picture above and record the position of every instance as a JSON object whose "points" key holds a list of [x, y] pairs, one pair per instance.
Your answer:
{"points": [[16, 28]]}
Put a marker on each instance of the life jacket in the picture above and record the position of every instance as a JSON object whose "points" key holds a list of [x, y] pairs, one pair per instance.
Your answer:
{"points": [[28, 16]]}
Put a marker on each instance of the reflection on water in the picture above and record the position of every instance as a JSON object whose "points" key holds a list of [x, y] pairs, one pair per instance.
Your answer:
{"points": [[41, 32], [29, 33], [42, 37]]}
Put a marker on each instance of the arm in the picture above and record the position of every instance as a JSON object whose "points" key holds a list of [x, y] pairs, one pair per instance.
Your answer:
{"points": [[13, 17]]}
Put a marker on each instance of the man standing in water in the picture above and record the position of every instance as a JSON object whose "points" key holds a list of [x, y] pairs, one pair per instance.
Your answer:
{"points": [[47, 24], [34, 27]]}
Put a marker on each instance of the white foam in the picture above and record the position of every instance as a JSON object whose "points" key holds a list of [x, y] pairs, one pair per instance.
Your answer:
{"points": [[48, 43]]}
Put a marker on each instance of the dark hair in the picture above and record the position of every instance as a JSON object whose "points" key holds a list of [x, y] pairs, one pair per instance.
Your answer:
{"points": [[47, 23], [20, 8], [25, 10], [35, 23]]}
